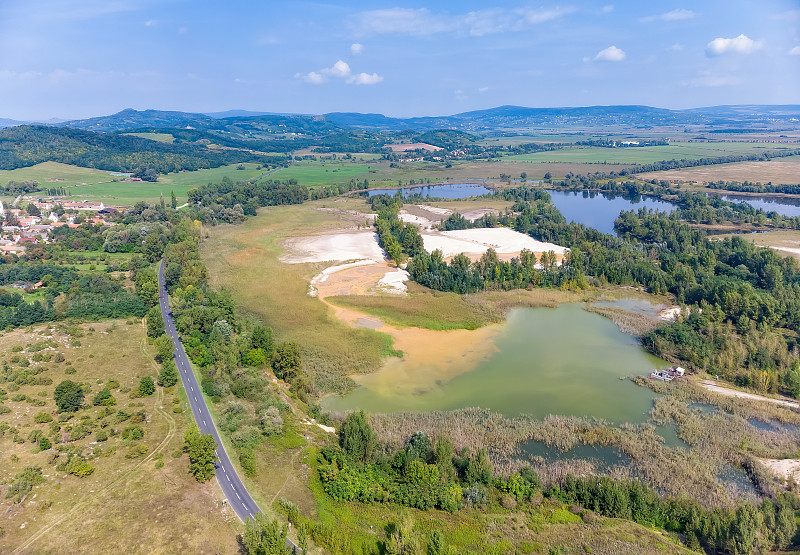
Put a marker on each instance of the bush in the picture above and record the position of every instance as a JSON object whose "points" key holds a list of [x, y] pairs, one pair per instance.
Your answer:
{"points": [[146, 386], [83, 470], [104, 398], [42, 418], [133, 433], [100, 436], [68, 396]]}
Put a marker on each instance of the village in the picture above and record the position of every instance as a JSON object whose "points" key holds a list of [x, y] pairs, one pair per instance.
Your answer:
{"points": [[34, 224]]}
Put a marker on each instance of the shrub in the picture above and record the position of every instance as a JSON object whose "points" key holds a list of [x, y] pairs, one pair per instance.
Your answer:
{"points": [[68, 396], [146, 386], [42, 418], [104, 398], [133, 433], [83, 470]]}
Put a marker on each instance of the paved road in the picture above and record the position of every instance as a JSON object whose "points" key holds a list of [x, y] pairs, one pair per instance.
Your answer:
{"points": [[238, 498]]}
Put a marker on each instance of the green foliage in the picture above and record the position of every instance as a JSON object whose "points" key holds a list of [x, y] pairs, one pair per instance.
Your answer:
{"points": [[42, 418], [164, 347], [264, 536], [146, 386], [357, 437], [68, 396], [83, 470], [104, 398], [155, 323], [24, 482], [288, 361], [200, 448], [168, 375], [133, 433], [44, 444]]}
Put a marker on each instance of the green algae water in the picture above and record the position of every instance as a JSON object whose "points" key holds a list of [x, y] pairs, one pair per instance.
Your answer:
{"points": [[563, 361]]}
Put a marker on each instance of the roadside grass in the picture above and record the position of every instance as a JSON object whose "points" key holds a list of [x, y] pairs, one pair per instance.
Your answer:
{"points": [[126, 503], [159, 137], [436, 310], [244, 260]]}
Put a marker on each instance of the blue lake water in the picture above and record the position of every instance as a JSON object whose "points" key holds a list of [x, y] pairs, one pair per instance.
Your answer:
{"points": [[449, 190], [599, 210], [783, 206]]}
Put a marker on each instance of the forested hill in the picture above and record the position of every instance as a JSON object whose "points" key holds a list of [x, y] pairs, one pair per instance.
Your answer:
{"points": [[27, 145]]}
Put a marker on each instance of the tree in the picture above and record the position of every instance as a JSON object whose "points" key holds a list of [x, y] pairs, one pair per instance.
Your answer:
{"points": [[168, 376], [744, 529], [33, 210], [479, 468], [264, 536], [357, 437], [200, 448], [164, 348], [172, 275], [174, 201], [146, 387], [262, 339], [288, 361], [68, 396], [104, 398]]}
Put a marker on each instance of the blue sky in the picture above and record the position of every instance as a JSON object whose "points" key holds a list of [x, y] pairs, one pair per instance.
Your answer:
{"points": [[82, 58]]}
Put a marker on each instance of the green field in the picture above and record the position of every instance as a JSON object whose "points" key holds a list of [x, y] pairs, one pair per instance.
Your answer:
{"points": [[646, 154], [54, 174], [160, 137], [126, 194], [322, 173]]}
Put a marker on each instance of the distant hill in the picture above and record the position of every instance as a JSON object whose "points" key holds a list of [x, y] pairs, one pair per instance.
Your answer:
{"points": [[130, 118], [5, 122]]}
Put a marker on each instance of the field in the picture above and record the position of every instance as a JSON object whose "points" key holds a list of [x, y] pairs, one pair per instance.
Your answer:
{"points": [[244, 259], [139, 498], [160, 137], [784, 242], [55, 174], [326, 172], [127, 193], [646, 154], [776, 171]]}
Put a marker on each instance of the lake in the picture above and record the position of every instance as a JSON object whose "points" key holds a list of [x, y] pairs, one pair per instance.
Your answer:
{"points": [[784, 206], [448, 190], [563, 361], [599, 210]]}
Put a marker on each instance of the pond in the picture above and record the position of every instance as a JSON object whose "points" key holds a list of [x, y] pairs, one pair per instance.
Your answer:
{"points": [[449, 190], [604, 457], [563, 361], [599, 210], [784, 206]]}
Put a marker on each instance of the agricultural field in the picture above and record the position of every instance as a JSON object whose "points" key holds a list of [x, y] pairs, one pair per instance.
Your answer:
{"points": [[55, 174], [160, 137], [133, 491], [124, 193], [311, 173], [647, 154], [775, 171]]}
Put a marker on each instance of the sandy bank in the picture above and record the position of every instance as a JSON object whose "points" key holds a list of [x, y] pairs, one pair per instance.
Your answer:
{"points": [[477, 241], [783, 468], [333, 247], [716, 388]]}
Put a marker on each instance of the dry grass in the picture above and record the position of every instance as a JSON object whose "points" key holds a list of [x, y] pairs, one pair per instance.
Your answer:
{"points": [[777, 171], [634, 323], [126, 504]]}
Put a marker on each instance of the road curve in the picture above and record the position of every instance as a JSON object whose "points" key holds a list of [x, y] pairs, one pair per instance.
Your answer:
{"points": [[239, 499]]}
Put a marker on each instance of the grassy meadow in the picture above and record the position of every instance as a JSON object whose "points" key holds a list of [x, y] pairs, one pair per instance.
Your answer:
{"points": [[55, 174], [244, 259], [325, 172], [140, 497], [160, 137]]}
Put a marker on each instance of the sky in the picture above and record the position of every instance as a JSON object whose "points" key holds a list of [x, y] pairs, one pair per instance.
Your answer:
{"points": [[83, 58]]}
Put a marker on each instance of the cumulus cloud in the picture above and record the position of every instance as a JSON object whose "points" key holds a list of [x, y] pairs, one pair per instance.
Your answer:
{"points": [[678, 14], [339, 70], [610, 54], [738, 45], [794, 51], [422, 22], [356, 48]]}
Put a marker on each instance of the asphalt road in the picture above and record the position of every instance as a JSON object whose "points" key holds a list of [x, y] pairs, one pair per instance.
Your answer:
{"points": [[235, 492]]}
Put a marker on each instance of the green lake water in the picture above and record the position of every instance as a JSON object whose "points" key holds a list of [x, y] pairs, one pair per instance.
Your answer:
{"points": [[563, 361]]}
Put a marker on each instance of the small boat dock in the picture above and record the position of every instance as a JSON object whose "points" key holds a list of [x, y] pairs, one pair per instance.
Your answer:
{"points": [[668, 374]]}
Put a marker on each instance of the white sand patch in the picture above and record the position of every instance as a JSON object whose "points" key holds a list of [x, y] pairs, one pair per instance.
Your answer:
{"points": [[788, 249], [477, 241], [440, 211], [323, 276], [333, 247], [394, 282], [473, 215], [425, 223], [783, 468], [669, 314]]}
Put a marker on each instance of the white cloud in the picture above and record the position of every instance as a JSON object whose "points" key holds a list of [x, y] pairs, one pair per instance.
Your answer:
{"points": [[422, 22], [356, 48], [608, 9], [183, 30], [676, 47], [610, 54], [339, 70], [149, 23], [267, 40], [739, 45], [678, 14], [794, 51], [483, 89]]}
